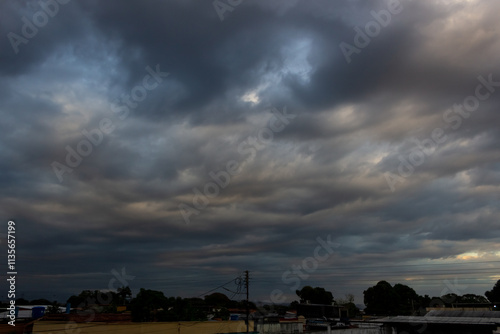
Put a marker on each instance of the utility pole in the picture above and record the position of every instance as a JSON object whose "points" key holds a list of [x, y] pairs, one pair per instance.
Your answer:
{"points": [[247, 303]]}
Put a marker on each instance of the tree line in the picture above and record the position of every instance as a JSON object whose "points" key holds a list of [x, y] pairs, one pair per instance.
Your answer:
{"points": [[150, 305], [400, 299]]}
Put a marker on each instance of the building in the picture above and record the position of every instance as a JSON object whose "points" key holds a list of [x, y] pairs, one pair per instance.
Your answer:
{"points": [[444, 322]]}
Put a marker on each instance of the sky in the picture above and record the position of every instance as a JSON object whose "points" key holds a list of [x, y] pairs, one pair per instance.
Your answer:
{"points": [[172, 145]]}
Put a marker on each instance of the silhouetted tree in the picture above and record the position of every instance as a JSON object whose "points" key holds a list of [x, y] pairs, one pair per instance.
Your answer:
{"points": [[194, 309], [449, 299], [493, 295], [41, 301], [407, 298], [437, 302], [472, 299], [348, 302], [381, 299], [217, 299], [422, 304], [22, 301], [148, 305], [75, 301], [124, 293], [315, 295], [53, 308], [98, 300]]}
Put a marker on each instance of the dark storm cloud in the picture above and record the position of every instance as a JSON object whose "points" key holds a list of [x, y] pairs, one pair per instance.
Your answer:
{"points": [[321, 175], [38, 42]]}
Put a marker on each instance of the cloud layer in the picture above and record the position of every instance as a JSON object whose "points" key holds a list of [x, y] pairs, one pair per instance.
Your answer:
{"points": [[188, 178]]}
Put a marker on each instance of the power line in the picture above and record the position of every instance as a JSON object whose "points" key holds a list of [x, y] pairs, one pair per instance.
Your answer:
{"points": [[395, 266], [220, 286]]}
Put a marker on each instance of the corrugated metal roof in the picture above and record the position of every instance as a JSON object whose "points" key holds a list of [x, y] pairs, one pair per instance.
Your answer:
{"points": [[462, 313], [22, 314], [440, 320]]}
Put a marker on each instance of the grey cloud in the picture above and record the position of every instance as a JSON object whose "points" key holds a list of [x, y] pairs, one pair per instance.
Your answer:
{"points": [[322, 174]]}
